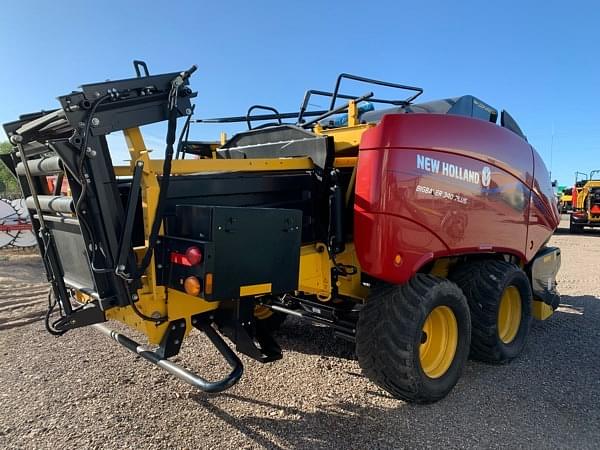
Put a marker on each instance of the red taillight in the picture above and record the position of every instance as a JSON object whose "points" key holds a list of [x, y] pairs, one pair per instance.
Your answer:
{"points": [[180, 259], [193, 255]]}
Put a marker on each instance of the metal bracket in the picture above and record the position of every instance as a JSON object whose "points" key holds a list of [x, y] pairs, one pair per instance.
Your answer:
{"points": [[86, 315], [235, 320], [125, 246], [171, 342]]}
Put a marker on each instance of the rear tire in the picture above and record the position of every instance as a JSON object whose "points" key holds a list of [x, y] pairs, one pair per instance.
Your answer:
{"points": [[499, 296], [575, 228], [267, 320], [394, 351]]}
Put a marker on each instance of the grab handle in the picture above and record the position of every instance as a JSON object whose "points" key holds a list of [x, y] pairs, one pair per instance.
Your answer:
{"points": [[178, 371]]}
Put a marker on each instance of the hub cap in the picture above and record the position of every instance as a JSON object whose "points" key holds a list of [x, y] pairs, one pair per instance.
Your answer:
{"points": [[509, 314], [439, 340]]}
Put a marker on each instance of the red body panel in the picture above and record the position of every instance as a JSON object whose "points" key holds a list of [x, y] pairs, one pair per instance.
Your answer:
{"points": [[433, 185]]}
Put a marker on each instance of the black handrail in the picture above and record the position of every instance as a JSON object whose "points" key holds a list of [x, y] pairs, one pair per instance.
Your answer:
{"points": [[267, 108], [349, 76], [183, 374], [308, 94], [302, 113], [259, 117], [337, 110], [137, 64]]}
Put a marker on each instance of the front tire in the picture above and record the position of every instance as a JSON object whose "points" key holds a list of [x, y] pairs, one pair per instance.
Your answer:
{"points": [[413, 340], [499, 296]]}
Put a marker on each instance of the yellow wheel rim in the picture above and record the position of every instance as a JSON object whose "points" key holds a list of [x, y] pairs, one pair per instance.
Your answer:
{"points": [[509, 314], [438, 342], [262, 312]]}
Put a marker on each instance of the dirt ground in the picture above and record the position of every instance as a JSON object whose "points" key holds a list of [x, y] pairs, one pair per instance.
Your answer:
{"points": [[83, 391]]}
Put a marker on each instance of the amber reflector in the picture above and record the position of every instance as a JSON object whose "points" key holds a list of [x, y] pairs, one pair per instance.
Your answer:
{"points": [[192, 285], [208, 283]]}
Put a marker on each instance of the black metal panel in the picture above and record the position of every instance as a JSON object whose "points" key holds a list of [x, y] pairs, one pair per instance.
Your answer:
{"points": [[8, 162], [507, 121], [247, 246], [291, 190], [133, 102]]}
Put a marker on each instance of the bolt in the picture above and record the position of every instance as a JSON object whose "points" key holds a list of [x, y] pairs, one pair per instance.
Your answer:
{"points": [[182, 325], [95, 121], [90, 152], [176, 342], [158, 241], [173, 327], [159, 266], [194, 321], [121, 267], [219, 227], [188, 111], [134, 297], [16, 138], [140, 164]]}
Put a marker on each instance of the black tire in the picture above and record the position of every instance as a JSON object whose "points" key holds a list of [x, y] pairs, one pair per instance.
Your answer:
{"points": [[575, 228], [271, 323], [484, 283], [390, 332]]}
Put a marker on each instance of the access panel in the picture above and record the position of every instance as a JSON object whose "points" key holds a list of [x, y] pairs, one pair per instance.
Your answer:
{"points": [[222, 253]]}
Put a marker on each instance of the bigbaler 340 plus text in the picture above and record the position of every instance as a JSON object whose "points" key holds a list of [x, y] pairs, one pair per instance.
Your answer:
{"points": [[417, 230]]}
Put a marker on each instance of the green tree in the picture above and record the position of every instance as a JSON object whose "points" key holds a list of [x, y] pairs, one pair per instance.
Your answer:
{"points": [[8, 184]]}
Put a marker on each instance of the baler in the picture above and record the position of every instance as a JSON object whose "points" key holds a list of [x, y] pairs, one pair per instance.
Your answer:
{"points": [[419, 231]]}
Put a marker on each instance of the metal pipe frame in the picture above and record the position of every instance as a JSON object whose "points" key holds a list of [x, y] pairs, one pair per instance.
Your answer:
{"points": [[180, 372]]}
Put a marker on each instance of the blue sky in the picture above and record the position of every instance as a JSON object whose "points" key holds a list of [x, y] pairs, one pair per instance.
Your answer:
{"points": [[539, 60]]}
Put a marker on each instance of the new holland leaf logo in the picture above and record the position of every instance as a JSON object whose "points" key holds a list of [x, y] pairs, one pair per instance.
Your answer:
{"points": [[486, 176]]}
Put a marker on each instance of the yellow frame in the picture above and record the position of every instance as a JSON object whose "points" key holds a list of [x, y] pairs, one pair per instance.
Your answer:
{"points": [[315, 261]]}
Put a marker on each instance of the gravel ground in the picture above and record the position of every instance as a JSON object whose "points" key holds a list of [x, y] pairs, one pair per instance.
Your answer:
{"points": [[82, 391]]}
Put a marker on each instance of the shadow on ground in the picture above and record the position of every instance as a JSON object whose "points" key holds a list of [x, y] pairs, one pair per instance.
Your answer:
{"points": [[539, 397]]}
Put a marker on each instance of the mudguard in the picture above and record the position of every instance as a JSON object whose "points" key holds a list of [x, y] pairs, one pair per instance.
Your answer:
{"points": [[542, 270]]}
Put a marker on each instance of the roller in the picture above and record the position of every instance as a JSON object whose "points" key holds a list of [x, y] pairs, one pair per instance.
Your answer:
{"points": [[51, 203]]}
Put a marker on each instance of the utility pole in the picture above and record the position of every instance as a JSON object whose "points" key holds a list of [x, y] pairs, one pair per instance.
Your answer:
{"points": [[551, 149]]}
